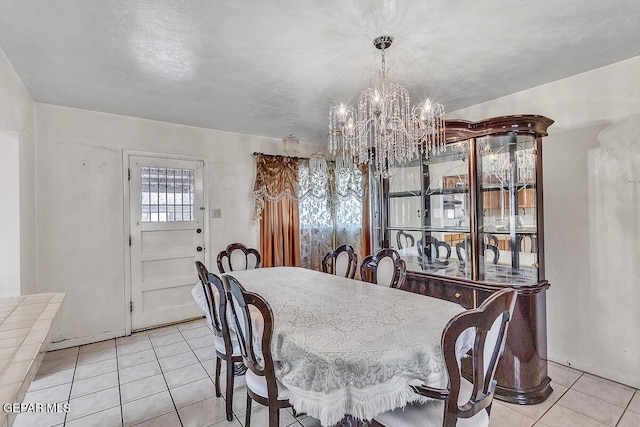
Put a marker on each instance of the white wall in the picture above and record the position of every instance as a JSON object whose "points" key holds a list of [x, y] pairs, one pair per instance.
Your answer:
{"points": [[17, 191], [592, 305], [9, 215], [81, 204]]}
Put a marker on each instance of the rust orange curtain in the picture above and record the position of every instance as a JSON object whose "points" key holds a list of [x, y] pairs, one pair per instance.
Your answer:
{"points": [[277, 210]]}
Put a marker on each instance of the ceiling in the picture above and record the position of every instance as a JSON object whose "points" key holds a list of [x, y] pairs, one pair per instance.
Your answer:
{"points": [[272, 68]]}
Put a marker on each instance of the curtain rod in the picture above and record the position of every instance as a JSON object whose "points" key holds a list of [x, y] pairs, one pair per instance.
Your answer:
{"points": [[255, 153]]}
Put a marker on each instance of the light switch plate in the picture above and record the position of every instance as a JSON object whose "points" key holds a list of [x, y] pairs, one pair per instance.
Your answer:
{"points": [[216, 213]]}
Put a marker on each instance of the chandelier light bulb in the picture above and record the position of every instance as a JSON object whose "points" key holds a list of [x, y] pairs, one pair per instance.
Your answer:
{"points": [[376, 96], [350, 124], [342, 110]]}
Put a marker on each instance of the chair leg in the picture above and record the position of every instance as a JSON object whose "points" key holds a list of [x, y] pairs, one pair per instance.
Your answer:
{"points": [[247, 420], [229, 392], [274, 416], [218, 366]]}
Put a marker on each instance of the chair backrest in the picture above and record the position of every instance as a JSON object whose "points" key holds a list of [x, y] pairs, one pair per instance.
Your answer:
{"points": [[462, 250], [254, 334], [215, 296], [238, 257], [494, 249], [341, 262], [385, 268], [528, 243], [491, 239], [489, 322], [404, 240], [431, 248]]}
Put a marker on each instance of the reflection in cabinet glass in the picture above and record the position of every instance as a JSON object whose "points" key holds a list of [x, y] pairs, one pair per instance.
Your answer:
{"points": [[475, 212], [506, 170], [484, 228]]}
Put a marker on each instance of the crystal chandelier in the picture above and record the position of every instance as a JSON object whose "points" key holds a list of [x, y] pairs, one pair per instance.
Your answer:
{"points": [[385, 131]]}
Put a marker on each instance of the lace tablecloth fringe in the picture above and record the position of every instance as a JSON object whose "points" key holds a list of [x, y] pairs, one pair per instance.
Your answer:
{"points": [[364, 404]]}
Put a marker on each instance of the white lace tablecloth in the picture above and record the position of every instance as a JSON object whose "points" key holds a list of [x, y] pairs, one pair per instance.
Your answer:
{"points": [[350, 347]]}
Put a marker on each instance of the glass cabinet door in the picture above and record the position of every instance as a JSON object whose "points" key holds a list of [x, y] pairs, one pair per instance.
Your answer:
{"points": [[428, 204], [447, 223], [405, 212], [468, 211], [507, 197]]}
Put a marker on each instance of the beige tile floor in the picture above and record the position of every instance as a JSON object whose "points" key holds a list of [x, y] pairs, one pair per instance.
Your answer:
{"points": [[164, 378]]}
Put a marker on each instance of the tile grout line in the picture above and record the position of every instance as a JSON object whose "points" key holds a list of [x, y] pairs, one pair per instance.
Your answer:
{"points": [[73, 378], [119, 389], [556, 402], [235, 416], [92, 392], [584, 415], [626, 408], [139, 398], [223, 395], [165, 380], [580, 413], [205, 370], [626, 405]]}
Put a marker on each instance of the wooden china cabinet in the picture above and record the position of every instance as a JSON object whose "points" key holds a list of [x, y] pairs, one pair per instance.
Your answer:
{"points": [[475, 212]]}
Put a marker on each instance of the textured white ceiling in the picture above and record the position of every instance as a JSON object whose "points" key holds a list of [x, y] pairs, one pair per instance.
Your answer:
{"points": [[275, 67]]}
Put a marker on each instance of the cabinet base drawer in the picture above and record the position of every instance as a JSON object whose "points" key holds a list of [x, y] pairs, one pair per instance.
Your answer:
{"points": [[441, 289]]}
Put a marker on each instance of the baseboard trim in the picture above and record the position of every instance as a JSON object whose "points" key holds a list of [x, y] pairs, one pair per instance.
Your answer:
{"points": [[630, 379], [89, 339]]}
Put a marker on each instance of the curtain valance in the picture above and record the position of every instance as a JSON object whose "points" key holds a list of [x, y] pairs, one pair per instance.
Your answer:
{"points": [[276, 178]]}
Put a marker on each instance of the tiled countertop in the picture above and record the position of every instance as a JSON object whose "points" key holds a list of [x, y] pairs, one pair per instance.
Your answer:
{"points": [[25, 323]]}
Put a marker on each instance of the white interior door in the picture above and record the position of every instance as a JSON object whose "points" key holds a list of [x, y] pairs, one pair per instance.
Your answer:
{"points": [[167, 235]]}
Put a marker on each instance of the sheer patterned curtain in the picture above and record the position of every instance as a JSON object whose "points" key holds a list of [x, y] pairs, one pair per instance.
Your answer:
{"points": [[316, 216], [331, 212], [277, 210], [351, 226]]}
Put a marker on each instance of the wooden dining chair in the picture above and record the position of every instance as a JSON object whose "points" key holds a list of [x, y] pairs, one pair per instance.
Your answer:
{"points": [[467, 401], [341, 262], [238, 257], [255, 346], [225, 341], [384, 268]]}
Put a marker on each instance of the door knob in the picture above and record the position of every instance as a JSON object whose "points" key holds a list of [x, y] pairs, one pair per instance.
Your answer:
{"points": [[199, 248], [198, 230]]}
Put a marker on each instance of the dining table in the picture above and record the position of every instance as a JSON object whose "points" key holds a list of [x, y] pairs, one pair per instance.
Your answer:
{"points": [[343, 347]]}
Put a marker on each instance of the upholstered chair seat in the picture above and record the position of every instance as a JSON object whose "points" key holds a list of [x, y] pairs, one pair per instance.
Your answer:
{"points": [[258, 385]]}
